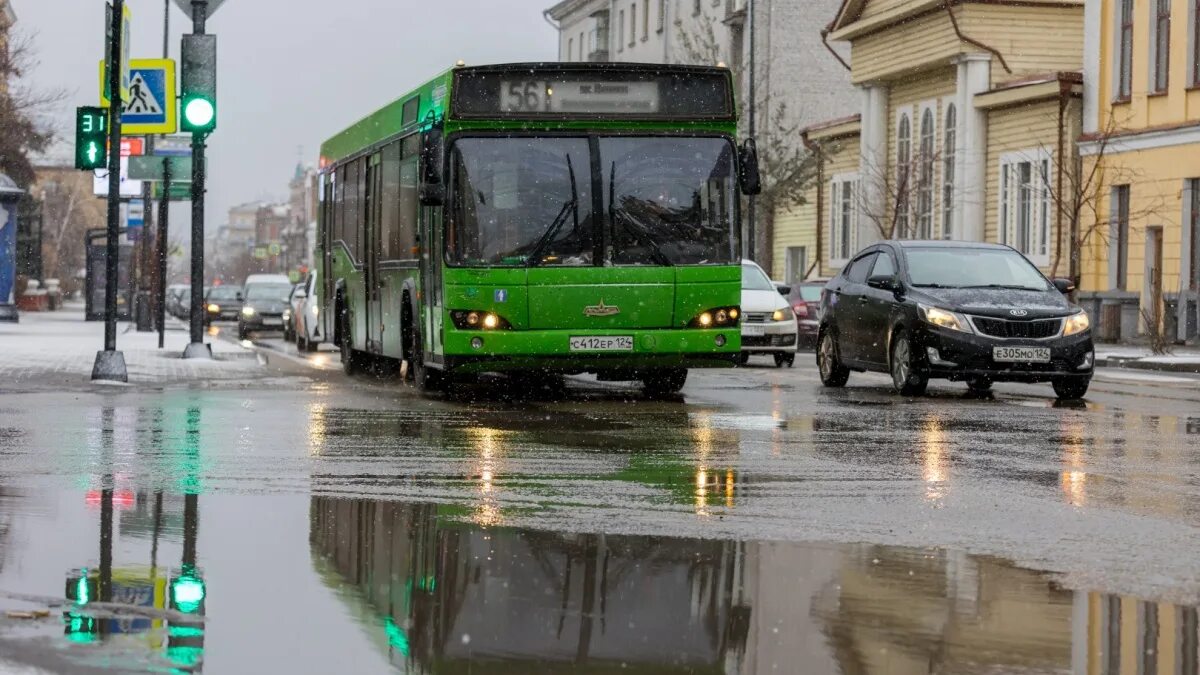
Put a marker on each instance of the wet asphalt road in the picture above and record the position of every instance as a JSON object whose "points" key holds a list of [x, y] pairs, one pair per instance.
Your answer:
{"points": [[755, 524]]}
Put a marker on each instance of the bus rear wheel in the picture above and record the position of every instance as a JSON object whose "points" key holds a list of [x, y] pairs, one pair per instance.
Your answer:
{"points": [[665, 381], [351, 360]]}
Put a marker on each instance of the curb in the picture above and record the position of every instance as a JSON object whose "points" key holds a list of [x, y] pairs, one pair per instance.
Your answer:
{"points": [[1141, 364]]}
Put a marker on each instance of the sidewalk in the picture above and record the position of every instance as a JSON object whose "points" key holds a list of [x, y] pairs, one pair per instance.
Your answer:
{"points": [[59, 348], [1179, 360]]}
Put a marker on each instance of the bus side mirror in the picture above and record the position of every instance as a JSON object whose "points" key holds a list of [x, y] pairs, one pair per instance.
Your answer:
{"points": [[748, 174], [433, 192]]}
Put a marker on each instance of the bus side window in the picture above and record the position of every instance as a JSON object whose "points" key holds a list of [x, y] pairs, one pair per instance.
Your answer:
{"points": [[339, 207], [355, 186], [409, 198]]}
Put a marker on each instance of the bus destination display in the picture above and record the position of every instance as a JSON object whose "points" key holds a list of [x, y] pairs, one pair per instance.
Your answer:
{"points": [[567, 97]]}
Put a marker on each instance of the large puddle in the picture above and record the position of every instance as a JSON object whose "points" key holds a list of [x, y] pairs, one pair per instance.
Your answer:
{"points": [[322, 584]]}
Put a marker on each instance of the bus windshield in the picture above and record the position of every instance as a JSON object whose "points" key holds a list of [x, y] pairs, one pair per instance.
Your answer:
{"points": [[528, 201]]}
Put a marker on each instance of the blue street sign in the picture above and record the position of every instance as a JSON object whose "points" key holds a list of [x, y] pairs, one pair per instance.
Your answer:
{"points": [[152, 102]]}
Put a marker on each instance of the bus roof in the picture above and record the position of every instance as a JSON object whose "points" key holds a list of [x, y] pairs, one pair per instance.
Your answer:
{"points": [[479, 99]]}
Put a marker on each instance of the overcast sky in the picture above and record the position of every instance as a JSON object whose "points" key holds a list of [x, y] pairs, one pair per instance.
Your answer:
{"points": [[291, 72]]}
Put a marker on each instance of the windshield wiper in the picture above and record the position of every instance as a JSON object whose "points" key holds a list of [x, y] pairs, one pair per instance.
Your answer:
{"points": [[571, 206], [1011, 287], [931, 286]]}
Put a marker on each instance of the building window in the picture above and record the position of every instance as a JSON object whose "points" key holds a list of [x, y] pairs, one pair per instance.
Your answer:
{"points": [[662, 15], [796, 264], [925, 177], [1148, 637], [903, 173], [632, 24], [1195, 9], [1125, 51], [1189, 637], [1193, 245], [949, 144], [570, 49], [1025, 204], [695, 7], [1118, 237], [1161, 44], [583, 55], [621, 31], [842, 216], [645, 19]]}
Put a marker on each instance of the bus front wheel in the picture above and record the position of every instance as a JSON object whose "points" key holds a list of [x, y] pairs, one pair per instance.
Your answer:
{"points": [[665, 381]]}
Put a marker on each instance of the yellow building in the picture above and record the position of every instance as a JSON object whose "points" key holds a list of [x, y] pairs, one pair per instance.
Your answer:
{"points": [[1142, 137], [966, 128]]}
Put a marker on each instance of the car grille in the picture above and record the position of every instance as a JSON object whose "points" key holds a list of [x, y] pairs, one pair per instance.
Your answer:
{"points": [[1002, 328], [755, 317]]}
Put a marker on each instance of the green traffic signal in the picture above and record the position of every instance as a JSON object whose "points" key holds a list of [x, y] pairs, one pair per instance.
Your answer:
{"points": [[199, 114], [91, 138], [187, 593]]}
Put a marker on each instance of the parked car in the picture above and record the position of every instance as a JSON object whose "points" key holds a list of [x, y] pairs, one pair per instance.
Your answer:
{"points": [[305, 328], [222, 303], [289, 334], [264, 299], [963, 311], [177, 295], [768, 324], [805, 299]]}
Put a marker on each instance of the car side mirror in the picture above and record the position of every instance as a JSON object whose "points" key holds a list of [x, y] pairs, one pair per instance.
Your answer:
{"points": [[1064, 286], [748, 172], [300, 295], [241, 298], [433, 193], [885, 282], [784, 290]]}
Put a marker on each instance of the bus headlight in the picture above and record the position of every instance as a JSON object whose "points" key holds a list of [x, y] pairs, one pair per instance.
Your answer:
{"points": [[476, 319], [1076, 323], [247, 311], [718, 317], [214, 309]]}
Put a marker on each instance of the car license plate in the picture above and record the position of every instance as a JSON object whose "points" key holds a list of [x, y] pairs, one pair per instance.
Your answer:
{"points": [[754, 331], [602, 343], [1021, 354]]}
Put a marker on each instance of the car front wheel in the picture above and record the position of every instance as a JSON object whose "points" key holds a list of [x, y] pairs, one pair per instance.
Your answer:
{"points": [[1072, 388], [833, 373], [906, 377]]}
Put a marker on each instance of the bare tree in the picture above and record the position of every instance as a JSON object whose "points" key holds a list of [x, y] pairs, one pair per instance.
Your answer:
{"points": [[901, 200], [24, 130], [68, 211], [788, 168]]}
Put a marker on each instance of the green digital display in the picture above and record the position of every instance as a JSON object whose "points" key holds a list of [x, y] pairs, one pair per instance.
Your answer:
{"points": [[91, 138]]}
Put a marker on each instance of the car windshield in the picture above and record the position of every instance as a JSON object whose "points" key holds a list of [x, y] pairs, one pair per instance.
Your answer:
{"points": [[269, 292], [530, 201], [753, 279], [224, 293], [810, 293], [972, 268]]}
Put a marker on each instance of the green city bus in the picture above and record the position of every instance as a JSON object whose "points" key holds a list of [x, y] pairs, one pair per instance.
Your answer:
{"points": [[539, 218]]}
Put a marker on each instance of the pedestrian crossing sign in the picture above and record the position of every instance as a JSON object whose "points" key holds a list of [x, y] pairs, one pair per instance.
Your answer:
{"points": [[152, 105]]}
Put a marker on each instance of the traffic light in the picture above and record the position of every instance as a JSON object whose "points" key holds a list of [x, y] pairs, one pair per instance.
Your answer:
{"points": [[91, 138], [187, 592], [198, 105], [81, 590], [185, 642]]}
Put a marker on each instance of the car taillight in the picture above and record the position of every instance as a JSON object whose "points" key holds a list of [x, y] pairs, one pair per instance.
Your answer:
{"points": [[801, 309]]}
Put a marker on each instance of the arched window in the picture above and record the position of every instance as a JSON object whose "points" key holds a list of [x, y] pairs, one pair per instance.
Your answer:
{"points": [[949, 143], [903, 169], [925, 177]]}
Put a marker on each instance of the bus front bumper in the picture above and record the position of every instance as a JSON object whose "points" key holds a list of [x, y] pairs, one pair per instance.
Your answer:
{"points": [[551, 350]]}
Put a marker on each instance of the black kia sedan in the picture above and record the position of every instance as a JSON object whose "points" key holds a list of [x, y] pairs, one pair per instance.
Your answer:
{"points": [[963, 311]]}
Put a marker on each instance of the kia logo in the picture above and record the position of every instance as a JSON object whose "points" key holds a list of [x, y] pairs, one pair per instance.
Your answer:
{"points": [[1018, 312]]}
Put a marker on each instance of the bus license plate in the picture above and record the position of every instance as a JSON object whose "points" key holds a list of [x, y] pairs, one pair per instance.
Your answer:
{"points": [[602, 343], [1021, 354]]}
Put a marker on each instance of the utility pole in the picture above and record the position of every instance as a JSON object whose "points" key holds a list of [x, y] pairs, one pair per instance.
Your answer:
{"points": [[751, 224], [110, 363], [164, 207], [197, 348]]}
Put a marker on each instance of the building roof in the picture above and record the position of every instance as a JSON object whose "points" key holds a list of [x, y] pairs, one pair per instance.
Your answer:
{"points": [[567, 7]]}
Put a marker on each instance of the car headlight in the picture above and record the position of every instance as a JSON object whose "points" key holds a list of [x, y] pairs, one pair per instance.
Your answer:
{"points": [[247, 311], [213, 309], [784, 314], [315, 310], [1077, 323], [287, 314], [946, 319]]}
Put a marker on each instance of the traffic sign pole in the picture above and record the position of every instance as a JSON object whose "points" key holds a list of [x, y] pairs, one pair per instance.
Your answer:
{"points": [[164, 210], [143, 311], [197, 348], [110, 363]]}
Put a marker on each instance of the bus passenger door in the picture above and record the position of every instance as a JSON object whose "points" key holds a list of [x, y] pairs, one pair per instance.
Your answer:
{"points": [[431, 282], [371, 242]]}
